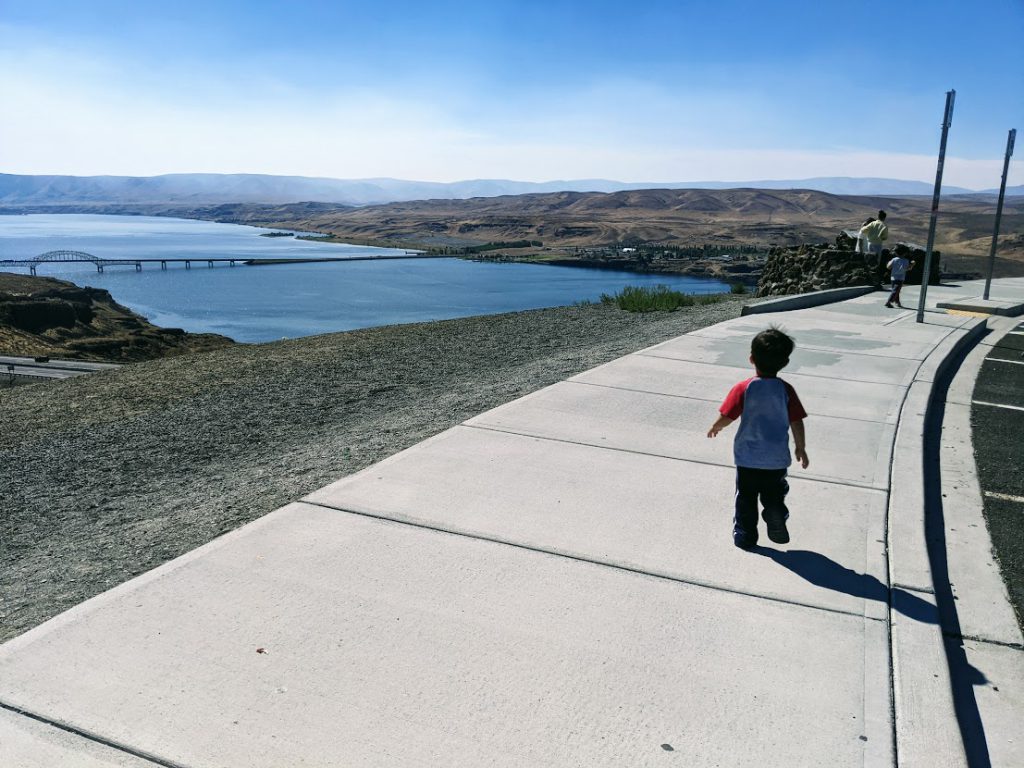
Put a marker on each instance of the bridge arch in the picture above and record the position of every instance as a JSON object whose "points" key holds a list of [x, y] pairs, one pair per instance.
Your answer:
{"points": [[66, 256]]}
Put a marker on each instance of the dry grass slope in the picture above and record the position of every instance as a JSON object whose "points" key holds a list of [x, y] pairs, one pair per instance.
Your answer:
{"points": [[683, 216]]}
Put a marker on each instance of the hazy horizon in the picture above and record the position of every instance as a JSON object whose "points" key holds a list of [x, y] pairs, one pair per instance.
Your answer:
{"points": [[658, 92], [840, 185]]}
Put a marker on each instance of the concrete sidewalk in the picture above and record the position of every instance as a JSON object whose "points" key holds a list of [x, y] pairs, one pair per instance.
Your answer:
{"points": [[550, 583]]}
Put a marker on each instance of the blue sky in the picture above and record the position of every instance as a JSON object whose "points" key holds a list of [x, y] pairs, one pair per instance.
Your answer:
{"points": [[642, 91]]}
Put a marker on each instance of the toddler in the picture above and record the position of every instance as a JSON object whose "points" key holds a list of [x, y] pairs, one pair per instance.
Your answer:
{"points": [[769, 408]]}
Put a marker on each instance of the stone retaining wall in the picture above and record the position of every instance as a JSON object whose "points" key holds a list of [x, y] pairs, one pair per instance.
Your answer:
{"points": [[806, 268]]}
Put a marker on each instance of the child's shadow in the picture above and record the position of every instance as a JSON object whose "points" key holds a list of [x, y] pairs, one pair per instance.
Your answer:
{"points": [[823, 572]]}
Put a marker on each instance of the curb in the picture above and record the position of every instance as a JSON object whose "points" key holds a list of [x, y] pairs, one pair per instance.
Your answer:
{"points": [[984, 305], [923, 701], [805, 300], [984, 611]]}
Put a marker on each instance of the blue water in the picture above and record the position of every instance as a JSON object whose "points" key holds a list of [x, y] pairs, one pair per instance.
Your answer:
{"points": [[263, 303]]}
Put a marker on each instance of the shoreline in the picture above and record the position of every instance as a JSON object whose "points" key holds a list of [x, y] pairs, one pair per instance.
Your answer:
{"points": [[49, 317], [184, 449]]}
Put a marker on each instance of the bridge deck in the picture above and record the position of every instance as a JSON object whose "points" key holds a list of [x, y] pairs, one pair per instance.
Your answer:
{"points": [[221, 259]]}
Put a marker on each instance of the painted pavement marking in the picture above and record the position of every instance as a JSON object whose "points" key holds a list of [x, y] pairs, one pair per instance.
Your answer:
{"points": [[1004, 497], [998, 405]]}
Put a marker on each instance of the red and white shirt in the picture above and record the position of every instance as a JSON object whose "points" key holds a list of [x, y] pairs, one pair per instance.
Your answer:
{"points": [[767, 406]]}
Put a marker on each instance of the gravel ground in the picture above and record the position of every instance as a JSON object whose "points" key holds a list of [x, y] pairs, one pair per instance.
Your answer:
{"points": [[106, 476]]}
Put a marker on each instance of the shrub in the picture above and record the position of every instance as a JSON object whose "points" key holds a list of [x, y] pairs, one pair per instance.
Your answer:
{"points": [[660, 298], [738, 288]]}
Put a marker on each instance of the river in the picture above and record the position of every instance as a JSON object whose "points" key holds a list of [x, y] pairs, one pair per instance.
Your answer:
{"points": [[264, 303]]}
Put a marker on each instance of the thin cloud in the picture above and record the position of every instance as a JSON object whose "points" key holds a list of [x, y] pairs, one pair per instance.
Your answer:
{"points": [[82, 113]]}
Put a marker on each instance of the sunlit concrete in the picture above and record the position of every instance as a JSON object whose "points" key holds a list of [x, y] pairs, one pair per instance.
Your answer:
{"points": [[321, 638], [553, 583]]}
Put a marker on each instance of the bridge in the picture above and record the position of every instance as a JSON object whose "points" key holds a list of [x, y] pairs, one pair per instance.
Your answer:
{"points": [[81, 256], [67, 256]]}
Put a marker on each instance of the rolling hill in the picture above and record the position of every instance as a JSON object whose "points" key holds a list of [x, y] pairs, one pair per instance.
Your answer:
{"points": [[208, 188], [567, 220], [579, 219]]}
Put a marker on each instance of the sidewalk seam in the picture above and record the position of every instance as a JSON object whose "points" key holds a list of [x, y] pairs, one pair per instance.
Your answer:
{"points": [[888, 568], [93, 737], [811, 348], [985, 641], [808, 375], [702, 399], [582, 559], [487, 428]]}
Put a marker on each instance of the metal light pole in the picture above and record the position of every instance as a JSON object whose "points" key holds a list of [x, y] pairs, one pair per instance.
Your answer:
{"points": [[999, 211], [946, 122]]}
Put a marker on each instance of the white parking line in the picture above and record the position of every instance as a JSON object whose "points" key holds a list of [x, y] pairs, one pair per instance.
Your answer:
{"points": [[998, 405], [1004, 496], [1001, 360]]}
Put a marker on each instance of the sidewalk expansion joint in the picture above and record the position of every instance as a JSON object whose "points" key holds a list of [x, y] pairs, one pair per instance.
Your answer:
{"points": [[700, 399], [826, 350], [801, 373], [584, 559], [828, 481], [984, 640], [643, 391], [95, 738]]}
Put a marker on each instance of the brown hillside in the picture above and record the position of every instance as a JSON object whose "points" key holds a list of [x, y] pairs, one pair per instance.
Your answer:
{"points": [[564, 221], [683, 216]]}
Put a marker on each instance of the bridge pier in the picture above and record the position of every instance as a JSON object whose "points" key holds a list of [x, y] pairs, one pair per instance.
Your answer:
{"points": [[33, 269], [188, 264], [232, 262], [163, 265], [210, 264], [138, 266], [99, 267]]}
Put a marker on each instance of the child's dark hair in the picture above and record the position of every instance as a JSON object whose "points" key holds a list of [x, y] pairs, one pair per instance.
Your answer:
{"points": [[771, 350]]}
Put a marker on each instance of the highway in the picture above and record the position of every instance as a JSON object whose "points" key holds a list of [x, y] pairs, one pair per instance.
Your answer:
{"points": [[31, 368]]}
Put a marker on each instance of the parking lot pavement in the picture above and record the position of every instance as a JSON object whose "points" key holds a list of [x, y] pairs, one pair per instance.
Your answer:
{"points": [[997, 420]]}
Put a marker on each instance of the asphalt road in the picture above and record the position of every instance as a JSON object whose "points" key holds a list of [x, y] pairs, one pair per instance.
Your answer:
{"points": [[997, 418], [27, 369]]}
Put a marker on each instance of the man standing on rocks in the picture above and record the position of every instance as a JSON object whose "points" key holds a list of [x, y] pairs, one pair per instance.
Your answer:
{"points": [[873, 234]]}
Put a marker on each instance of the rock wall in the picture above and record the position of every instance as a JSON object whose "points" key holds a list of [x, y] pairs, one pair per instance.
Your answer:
{"points": [[806, 268]]}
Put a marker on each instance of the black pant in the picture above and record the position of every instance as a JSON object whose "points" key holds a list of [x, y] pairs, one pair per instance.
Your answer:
{"points": [[895, 295], [771, 486]]}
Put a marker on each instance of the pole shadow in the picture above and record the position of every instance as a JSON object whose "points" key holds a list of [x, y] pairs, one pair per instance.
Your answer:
{"points": [[965, 676]]}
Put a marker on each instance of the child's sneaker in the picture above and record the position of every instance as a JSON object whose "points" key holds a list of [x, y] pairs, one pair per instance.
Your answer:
{"points": [[744, 539], [777, 530]]}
